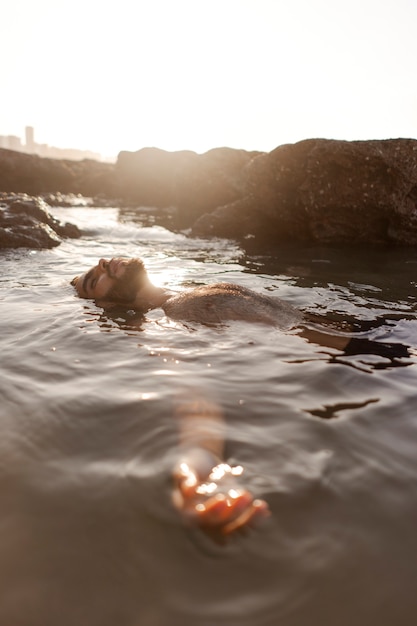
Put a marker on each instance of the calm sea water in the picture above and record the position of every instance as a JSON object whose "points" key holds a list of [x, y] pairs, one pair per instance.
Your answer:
{"points": [[88, 434]]}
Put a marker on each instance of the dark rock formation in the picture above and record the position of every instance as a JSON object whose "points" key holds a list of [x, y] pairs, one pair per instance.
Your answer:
{"points": [[26, 223], [192, 183], [327, 192]]}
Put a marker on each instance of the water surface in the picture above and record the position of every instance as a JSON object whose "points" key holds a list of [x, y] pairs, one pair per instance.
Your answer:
{"points": [[88, 436]]}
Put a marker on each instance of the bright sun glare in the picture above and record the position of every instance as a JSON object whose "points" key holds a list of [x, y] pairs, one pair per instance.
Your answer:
{"points": [[194, 75]]}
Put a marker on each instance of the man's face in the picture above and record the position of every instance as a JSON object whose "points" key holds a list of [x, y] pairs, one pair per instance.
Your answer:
{"points": [[117, 280]]}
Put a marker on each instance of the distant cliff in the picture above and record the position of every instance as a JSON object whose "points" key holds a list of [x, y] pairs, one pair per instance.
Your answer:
{"points": [[35, 175], [194, 184], [316, 191]]}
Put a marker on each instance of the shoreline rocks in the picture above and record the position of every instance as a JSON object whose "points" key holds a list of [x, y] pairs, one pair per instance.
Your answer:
{"points": [[317, 191], [326, 192], [25, 222]]}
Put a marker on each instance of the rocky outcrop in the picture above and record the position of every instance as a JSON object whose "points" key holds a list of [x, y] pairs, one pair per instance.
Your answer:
{"points": [[316, 191], [326, 192], [26, 223], [192, 183], [34, 175]]}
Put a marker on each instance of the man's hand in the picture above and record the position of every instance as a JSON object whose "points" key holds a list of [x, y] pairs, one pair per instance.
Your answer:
{"points": [[217, 504]]}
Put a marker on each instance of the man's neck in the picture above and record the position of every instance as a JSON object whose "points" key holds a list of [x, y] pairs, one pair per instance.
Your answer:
{"points": [[151, 297]]}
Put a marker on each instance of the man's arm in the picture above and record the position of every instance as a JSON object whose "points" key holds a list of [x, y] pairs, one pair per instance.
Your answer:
{"points": [[206, 489]]}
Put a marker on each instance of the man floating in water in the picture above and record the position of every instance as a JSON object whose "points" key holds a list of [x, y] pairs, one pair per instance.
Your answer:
{"points": [[125, 282], [207, 489]]}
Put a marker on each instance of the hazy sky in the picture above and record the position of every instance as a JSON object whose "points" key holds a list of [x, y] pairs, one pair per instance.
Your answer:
{"points": [[197, 74]]}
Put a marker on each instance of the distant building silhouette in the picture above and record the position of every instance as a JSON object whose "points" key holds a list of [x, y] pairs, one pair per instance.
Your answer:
{"points": [[30, 138], [11, 142]]}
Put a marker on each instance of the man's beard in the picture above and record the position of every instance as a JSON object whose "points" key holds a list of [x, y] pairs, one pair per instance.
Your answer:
{"points": [[127, 287]]}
